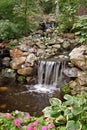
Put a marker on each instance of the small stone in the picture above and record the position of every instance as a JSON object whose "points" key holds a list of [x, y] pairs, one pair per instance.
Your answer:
{"points": [[56, 46], [25, 71], [66, 44], [3, 89], [72, 84]]}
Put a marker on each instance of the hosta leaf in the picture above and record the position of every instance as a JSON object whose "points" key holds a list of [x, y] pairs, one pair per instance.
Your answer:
{"points": [[68, 97], [76, 110], [72, 125], [47, 111], [55, 102]]}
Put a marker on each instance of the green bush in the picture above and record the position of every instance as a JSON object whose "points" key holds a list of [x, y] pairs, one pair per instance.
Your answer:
{"points": [[8, 30], [66, 17], [69, 115], [80, 29]]}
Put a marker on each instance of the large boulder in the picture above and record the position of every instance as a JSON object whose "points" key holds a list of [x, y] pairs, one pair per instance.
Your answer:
{"points": [[31, 58], [15, 53], [17, 62], [78, 57]]}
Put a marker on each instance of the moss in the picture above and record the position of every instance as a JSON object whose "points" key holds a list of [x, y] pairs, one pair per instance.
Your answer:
{"points": [[65, 89], [21, 79]]}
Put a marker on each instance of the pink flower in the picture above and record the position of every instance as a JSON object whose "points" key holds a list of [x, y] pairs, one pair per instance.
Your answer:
{"points": [[17, 122], [28, 116], [51, 126], [16, 112], [44, 128], [30, 128], [8, 115], [35, 123]]}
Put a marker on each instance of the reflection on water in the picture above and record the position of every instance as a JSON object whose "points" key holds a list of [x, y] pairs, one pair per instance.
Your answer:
{"points": [[17, 97]]}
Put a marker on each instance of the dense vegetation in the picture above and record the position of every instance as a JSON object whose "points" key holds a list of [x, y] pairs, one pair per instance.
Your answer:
{"points": [[69, 115], [20, 17]]}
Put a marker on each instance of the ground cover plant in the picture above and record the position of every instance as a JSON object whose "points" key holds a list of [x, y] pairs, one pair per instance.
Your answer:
{"points": [[68, 115]]}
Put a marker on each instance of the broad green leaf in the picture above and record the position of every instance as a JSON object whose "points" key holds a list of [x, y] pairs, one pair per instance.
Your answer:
{"points": [[76, 110], [55, 101], [68, 97], [47, 111], [72, 125]]}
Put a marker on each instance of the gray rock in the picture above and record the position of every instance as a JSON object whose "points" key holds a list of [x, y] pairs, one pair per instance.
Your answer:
{"points": [[31, 58], [71, 72], [78, 58], [6, 61]]}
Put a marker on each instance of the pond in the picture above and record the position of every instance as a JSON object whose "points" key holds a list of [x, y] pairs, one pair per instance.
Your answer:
{"points": [[17, 97]]}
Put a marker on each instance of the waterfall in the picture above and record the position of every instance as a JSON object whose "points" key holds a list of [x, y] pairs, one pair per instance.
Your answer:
{"points": [[50, 75], [48, 72]]}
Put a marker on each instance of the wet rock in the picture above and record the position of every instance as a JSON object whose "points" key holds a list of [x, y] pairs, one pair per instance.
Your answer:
{"points": [[17, 62], [15, 53], [25, 71], [6, 61], [3, 106], [3, 89], [78, 58], [71, 72], [9, 73]]}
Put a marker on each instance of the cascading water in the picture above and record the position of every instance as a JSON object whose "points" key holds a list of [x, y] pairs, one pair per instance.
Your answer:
{"points": [[50, 74]]}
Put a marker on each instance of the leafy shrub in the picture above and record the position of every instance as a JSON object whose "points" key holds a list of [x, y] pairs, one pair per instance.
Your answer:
{"points": [[80, 28], [8, 30], [69, 115], [66, 15]]}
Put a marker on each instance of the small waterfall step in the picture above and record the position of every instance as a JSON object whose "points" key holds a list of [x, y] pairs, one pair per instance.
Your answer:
{"points": [[50, 74]]}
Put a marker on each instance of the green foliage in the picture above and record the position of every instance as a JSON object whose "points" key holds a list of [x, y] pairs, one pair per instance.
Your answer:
{"points": [[8, 30], [48, 6], [72, 114], [6, 123], [17, 17], [80, 29], [21, 79], [20, 121], [6, 9], [65, 89], [66, 17]]}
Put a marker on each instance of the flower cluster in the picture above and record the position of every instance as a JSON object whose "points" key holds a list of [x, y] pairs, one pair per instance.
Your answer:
{"points": [[19, 120]]}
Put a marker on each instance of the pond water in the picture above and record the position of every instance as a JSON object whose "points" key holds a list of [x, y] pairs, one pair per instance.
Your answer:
{"points": [[18, 97]]}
